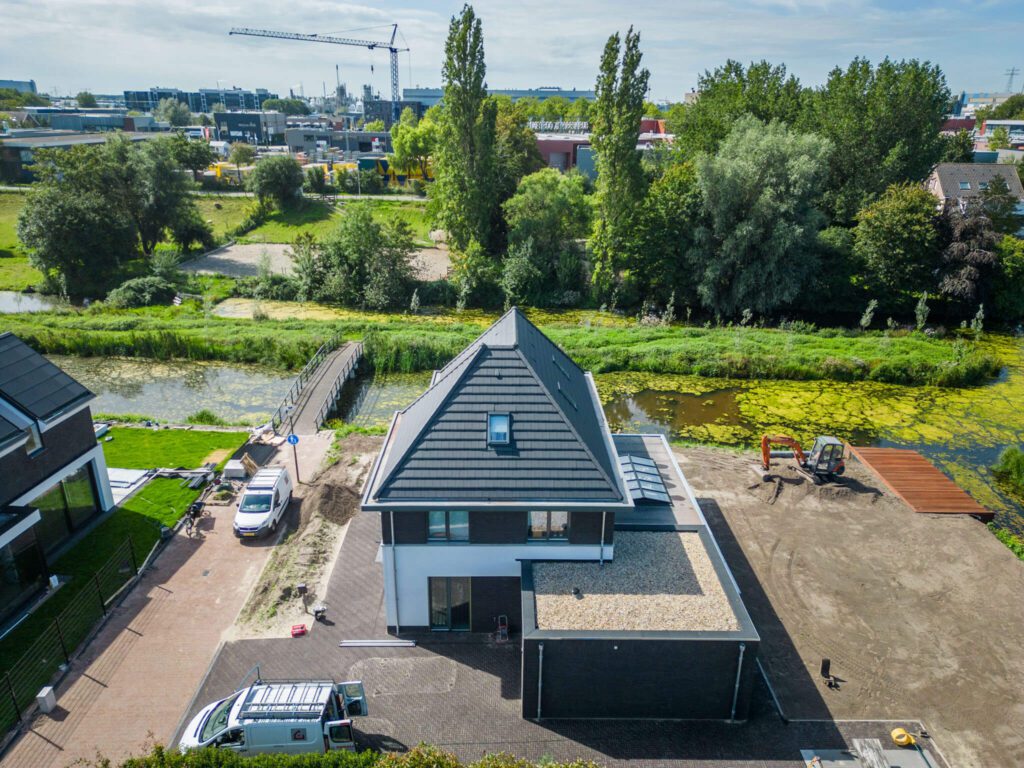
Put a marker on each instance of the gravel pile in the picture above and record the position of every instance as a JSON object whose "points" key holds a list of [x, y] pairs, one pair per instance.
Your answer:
{"points": [[657, 581]]}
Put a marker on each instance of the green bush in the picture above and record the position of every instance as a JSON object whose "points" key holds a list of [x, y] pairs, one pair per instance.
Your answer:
{"points": [[141, 292], [205, 417], [1010, 469]]}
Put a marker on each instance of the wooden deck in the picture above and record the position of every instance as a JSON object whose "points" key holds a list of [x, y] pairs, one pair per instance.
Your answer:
{"points": [[918, 482]]}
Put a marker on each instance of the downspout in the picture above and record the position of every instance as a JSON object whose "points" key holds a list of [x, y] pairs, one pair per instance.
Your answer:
{"points": [[394, 573], [736, 688], [540, 675], [604, 517]]}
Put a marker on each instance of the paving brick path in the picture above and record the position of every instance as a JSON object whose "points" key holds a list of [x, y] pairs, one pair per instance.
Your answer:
{"points": [[137, 676], [461, 692]]}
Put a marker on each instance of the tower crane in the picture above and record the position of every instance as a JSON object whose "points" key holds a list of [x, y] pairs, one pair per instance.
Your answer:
{"points": [[371, 44]]}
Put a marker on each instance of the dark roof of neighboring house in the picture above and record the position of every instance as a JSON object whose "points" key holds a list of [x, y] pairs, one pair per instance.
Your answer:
{"points": [[33, 384], [8, 432], [951, 174], [560, 448]]}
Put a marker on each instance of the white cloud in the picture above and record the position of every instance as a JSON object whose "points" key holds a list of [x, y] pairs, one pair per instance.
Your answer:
{"points": [[117, 44]]}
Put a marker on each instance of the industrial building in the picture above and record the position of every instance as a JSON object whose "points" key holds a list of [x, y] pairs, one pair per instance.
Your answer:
{"points": [[17, 151], [21, 86], [428, 97], [203, 100], [507, 506], [251, 126]]}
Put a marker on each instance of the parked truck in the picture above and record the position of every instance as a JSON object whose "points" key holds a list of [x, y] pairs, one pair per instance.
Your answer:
{"points": [[283, 716]]}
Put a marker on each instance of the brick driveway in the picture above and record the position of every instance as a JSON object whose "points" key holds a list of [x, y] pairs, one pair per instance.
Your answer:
{"points": [[461, 692], [133, 681]]}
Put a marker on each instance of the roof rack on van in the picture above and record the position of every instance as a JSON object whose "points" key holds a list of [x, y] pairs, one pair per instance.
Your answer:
{"points": [[287, 700]]}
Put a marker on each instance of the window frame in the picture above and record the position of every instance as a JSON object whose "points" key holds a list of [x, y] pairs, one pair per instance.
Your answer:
{"points": [[34, 436], [508, 428], [548, 531], [447, 538]]}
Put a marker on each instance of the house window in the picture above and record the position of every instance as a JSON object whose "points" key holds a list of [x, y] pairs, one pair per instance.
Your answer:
{"points": [[449, 603], [448, 525], [965, 185], [548, 526], [982, 185], [35, 440], [498, 428]]}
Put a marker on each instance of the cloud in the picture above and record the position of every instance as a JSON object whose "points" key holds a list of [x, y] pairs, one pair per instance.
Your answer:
{"points": [[113, 45]]}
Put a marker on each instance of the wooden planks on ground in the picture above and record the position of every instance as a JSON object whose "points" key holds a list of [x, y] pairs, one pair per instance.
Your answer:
{"points": [[918, 482]]}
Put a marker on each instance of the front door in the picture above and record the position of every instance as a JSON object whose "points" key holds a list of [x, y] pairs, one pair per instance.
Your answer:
{"points": [[449, 603]]}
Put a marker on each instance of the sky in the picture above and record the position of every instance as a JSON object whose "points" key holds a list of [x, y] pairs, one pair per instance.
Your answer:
{"points": [[107, 46]]}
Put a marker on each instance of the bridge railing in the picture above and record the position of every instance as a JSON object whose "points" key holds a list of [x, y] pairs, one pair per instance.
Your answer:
{"points": [[332, 398], [284, 410]]}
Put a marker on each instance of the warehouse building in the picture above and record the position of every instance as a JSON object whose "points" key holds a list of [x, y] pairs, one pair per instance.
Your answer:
{"points": [[203, 100]]}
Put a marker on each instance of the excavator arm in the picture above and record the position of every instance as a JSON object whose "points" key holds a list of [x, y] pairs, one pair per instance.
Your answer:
{"points": [[766, 449]]}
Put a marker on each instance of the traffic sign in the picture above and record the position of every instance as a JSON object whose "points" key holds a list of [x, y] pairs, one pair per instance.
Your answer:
{"points": [[293, 439]]}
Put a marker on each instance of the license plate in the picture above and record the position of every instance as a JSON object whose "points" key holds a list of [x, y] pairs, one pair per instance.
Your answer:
{"points": [[248, 534]]}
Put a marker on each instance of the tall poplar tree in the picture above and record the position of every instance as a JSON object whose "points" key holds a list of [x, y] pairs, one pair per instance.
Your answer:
{"points": [[615, 128], [464, 195]]}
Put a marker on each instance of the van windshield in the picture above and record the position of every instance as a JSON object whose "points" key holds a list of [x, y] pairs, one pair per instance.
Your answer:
{"points": [[255, 502], [218, 719]]}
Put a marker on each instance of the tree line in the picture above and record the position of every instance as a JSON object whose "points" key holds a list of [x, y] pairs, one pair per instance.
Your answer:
{"points": [[773, 199]]}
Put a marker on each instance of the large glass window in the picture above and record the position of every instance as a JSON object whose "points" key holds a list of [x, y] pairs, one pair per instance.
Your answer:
{"points": [[65, 507], [449, 603], [448, 525], [22, 570], [548, 526]]}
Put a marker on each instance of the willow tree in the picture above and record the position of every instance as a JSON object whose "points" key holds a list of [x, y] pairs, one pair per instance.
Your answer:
{"points": [[615, 128]]}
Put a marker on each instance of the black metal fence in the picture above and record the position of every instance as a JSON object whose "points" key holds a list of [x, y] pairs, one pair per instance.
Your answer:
{"points": [[57, 643]]}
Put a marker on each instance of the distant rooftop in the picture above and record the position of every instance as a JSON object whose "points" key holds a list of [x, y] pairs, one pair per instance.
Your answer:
{"points": [[67, 139], [658, 581]]}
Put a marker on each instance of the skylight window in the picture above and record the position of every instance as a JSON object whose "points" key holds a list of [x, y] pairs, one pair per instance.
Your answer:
{"points": [[643, 479], [498, 428], [965, 185]]}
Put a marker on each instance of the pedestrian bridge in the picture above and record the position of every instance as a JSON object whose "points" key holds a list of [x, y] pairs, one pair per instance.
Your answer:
{"points": [[317, 388]]}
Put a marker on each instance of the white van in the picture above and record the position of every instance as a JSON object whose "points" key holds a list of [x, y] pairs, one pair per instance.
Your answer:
{"points": [[289, 716], [263, 502]]}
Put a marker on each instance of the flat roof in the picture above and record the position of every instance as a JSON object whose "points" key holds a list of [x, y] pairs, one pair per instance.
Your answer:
{"points": [[659, 581], [66, 139], [680, 510]]}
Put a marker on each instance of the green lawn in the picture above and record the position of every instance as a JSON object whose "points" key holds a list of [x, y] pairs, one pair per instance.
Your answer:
{"points": [[143, 448], [161, 502], [16, 273], [223, 213]]}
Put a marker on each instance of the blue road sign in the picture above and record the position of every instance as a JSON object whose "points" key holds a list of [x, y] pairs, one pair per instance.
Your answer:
{"points": [[293, 439]]}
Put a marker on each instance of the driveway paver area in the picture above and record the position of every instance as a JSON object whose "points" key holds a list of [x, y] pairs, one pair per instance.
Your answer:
{"points": [[129, 688], [461, 692]]}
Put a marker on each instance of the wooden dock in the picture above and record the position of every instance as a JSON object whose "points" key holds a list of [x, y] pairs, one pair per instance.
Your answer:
{"points": [[918, 482]]}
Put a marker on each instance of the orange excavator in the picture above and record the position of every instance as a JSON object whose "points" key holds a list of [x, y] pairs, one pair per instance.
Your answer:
{"points": [[824, 462]]}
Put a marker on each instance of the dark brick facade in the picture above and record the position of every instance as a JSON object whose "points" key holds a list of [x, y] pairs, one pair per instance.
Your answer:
{"points": [[631, 678], [62, 444], [492, 596]]}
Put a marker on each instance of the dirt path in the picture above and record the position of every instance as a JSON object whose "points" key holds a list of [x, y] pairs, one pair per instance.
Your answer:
{"points": [[921, 615]]}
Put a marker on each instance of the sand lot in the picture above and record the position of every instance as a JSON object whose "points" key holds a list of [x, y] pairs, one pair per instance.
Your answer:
{"points": [[921, 615]]}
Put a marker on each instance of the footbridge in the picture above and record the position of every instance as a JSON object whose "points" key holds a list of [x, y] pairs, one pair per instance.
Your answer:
{"points": [[317, 388]]}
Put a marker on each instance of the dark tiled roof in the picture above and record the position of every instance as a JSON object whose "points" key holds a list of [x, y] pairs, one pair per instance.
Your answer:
{"points": [[951, 174], [33, 384], [438, 448], [8, 432]]}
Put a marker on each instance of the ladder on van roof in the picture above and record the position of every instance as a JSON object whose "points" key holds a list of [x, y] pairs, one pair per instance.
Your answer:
{"points": [[286, 700]]}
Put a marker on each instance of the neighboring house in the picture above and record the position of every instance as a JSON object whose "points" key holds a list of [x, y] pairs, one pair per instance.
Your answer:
{"points": [[53, 479], [504, 498], [960, 182]]}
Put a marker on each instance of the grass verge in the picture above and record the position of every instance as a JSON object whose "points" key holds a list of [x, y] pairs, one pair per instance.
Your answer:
{"points": [[403, 343], [143, 448], [161, 502], [1013, 542]]}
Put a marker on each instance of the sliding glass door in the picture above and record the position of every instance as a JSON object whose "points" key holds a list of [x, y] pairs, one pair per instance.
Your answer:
{"points": [[449, 603]]}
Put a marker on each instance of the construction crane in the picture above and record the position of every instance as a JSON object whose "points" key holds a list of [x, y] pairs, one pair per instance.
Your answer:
{"points": [[371, 44]]}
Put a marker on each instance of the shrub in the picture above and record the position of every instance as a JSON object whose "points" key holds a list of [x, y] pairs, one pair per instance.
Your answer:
{"points": [[205, 417], [141, 292], [1010, 469]]}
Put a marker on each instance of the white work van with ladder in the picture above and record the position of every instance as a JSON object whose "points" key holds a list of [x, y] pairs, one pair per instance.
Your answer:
{"points": [[285, 716]]}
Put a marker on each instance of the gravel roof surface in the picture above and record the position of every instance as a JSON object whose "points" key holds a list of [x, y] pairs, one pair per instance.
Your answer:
{"points": [[657, 581]]}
